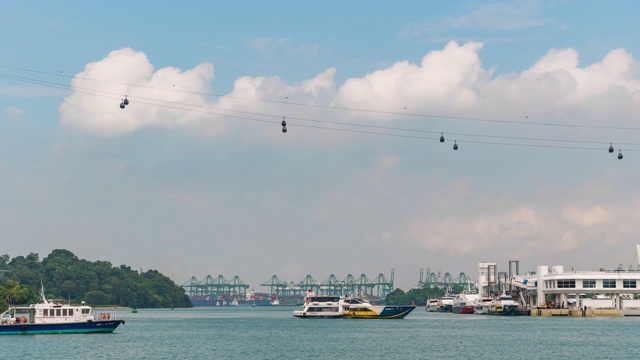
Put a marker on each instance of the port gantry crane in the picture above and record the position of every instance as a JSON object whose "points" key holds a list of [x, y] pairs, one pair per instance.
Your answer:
{"points": [[432, 280], [362, 285], [276, 285], [218, 286]]}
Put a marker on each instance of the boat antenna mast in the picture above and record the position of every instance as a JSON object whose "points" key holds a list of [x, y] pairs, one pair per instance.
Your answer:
{"points": [[44, 298]]}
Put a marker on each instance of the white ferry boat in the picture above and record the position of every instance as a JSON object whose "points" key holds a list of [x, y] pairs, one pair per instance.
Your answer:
{"points": [[504, 306], [432, 305], [349, 308], [483, 305], [50, 318], [320, 307], [464, 303], [446, 303]]}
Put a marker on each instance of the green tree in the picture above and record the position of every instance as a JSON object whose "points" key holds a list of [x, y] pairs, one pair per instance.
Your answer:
{"points": [[99, 283], [11, 292], [397, 297], [68, 286], [27, 270], [98, 298], [4, 261]]}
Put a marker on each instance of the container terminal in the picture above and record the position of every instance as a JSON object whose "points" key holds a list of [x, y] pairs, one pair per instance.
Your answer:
{"points": [[219, 291], [547, 291]]}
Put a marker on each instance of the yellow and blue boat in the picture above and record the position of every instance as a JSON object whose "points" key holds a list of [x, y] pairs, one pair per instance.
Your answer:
{"points": [[349, 308]]}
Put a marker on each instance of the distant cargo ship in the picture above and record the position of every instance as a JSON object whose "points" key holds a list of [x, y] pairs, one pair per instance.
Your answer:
{"points": [[248, 299]]}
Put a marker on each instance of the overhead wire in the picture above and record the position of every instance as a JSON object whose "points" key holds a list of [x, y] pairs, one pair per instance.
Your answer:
{"points": [[190, 107], [331, 107]]}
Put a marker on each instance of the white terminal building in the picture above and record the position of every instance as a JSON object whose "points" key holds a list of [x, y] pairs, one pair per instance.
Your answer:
{"points": [[616, 289]]}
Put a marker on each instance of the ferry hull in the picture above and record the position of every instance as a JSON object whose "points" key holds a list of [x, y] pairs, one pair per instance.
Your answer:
{"points": [[507, 311], [384, 312], [101, 326], [302, 314], [349, 308], [467, 309], [388, 312]]}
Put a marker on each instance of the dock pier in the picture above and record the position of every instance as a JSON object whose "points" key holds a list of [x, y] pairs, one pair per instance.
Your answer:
{"points": [[579, 312]]}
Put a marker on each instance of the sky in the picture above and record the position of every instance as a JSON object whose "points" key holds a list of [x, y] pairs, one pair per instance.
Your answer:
{"points": [[195, 176]]}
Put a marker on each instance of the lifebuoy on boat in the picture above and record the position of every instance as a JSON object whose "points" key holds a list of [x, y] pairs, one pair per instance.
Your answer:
{"points": [[103, 316], [107, 316], [23, 319]]}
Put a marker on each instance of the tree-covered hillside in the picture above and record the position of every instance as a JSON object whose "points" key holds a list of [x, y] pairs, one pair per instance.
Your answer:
{"points": [[419, 296], [64, 276]]}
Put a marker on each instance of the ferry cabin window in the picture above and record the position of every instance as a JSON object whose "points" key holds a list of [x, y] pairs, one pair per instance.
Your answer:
{"points": [[566, 284], [609, 283], [325, 299], [85, 311], [64, 312], [588, 284], [45, 312], [58, 312], [629, 284], [322, 309], [70, 312]]}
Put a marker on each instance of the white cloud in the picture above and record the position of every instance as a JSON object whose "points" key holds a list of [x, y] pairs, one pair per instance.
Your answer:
{"points": [[446, 77], [598, 84], [496, 16], [499, 229], [470, 231], [273, 47], [586, 217], [268, 46], [389, 162], [13, 112], [192, 200], [450, 82], [500, 17], [157, 97]]}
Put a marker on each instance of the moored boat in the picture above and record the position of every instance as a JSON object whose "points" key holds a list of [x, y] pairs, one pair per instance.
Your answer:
{"points": [[464, 303], [446, 303], [504, 306], [432, 305], [483, 305], [50, 318]]}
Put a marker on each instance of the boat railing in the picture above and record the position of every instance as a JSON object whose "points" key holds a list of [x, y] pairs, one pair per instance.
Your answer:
{"points": [[104, 315]]}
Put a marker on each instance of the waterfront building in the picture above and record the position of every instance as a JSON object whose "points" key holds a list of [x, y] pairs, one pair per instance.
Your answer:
{"points": [[615, 289]]}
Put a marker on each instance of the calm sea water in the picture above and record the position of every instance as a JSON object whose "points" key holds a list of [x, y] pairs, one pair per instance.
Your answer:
{"points": [[273, 333]]}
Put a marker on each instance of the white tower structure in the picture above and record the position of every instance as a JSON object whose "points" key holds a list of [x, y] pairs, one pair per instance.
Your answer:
{"points": [[486, 276]]}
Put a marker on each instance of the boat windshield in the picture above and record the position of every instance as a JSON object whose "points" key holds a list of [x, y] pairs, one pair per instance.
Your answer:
{"points": [[324, 298], [354, 301]]}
